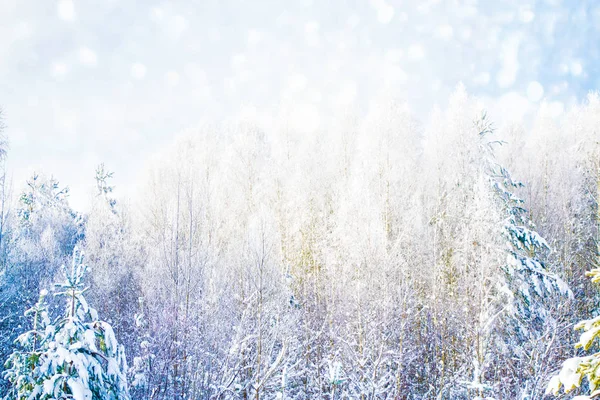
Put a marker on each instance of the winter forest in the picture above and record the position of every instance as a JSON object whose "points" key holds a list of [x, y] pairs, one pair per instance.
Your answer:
{"points": [[299, 200], [382, 258]]}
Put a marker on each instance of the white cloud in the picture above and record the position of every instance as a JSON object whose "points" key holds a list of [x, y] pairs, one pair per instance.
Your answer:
{"points": [[535, 91], [138, 71], [66, 10], [88, 57]]}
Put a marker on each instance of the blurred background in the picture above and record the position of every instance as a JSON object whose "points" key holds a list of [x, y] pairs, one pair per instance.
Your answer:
{"points": [[85, 82]]}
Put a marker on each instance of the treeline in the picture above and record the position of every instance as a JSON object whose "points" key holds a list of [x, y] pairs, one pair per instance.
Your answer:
{"points": [[378, 258]]}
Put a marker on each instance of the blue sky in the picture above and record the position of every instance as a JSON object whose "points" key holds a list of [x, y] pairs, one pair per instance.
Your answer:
{"points": [[84, 82]]}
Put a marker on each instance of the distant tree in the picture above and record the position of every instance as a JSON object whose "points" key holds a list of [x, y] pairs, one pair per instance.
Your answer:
{"points": [[103, 186], [111, 248]]}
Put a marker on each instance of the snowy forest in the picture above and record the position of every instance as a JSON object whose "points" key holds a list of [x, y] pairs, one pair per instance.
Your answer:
{"points": [[381, 257]]}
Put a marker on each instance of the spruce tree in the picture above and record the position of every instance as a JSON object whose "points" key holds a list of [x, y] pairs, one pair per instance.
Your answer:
{"points": [[525, 278], [524, 289], [22, 363], [76, 357]]}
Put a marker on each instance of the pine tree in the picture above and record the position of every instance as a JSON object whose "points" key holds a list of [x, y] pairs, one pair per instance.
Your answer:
{"points": [[76, 357]]}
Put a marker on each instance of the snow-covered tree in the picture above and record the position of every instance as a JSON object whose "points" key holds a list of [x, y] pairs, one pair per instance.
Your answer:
{"points": [[575, 369], [103, 186], [22, 364], [77, 356], [111, 247], [369, 257], [526, 292], [39, 236]]}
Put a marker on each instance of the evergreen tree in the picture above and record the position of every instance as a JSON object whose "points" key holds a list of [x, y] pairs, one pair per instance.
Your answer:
{"points": [[39, 236], [575, 369], [21, 364], [76, 357], [530, 290], [522, 291]]}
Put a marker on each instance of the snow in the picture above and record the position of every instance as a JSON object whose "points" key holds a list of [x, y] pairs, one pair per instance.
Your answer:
{"points": [[318, 261], [78, 390], [569, 375], [67, 353]]}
